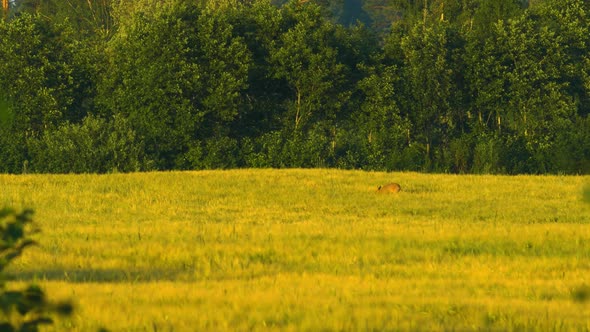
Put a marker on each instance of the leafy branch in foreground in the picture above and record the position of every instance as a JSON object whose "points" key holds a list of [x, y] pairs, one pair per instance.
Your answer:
{"points": [[27, 309]]}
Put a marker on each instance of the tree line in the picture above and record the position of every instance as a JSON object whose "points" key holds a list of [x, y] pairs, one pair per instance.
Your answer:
{"points": [[462, 86]]}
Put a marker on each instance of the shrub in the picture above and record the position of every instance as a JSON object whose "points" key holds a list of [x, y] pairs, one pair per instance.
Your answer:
{"points": [[95, 145], [486, 157], [26, 309]]}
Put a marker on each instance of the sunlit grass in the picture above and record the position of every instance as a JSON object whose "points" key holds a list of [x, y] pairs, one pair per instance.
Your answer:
{"points": [[309, 250]]}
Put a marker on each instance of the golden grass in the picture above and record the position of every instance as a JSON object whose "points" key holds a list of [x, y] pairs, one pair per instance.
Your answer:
{"points": [[309, 250]]}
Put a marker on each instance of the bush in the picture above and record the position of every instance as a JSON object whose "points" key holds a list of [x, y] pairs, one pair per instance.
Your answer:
{"points": [[12, 142], [460, 154], [27, 309], [516, 157], [220, 153], [265, 151], [571, 153], [413, 158], [486, 158], [96, 145]]}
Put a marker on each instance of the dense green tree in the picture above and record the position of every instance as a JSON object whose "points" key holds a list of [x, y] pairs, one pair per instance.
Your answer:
{"points": [[26, 309], [37, 71], [520, 77], [568, 21], [378, 132], [316, 60], [569, 134], [95, 145], [86, 16], [272, 34], [306, 59], [486, 13], [434, 85], [428, 87], [258, 24], [44, 79], [177, 74]]}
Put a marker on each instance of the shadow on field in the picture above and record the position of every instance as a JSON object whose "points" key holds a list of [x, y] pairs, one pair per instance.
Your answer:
{"points": [[104, 275]]}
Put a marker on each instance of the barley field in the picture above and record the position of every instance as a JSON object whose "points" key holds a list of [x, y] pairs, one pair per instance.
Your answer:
{"points": [[309, 250]]}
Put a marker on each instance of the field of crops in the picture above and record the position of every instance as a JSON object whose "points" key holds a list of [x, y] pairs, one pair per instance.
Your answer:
{"points": [[309, 250]]}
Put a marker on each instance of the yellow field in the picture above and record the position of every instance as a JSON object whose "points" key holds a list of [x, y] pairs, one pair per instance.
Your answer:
{"points": [[309, 250]]}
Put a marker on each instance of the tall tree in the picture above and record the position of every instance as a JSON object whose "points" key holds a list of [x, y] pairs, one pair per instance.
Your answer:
{"points": [[87, 16], [488, 12], [429, 86], [259, 24], [381, 129], [177, 73], [40, 77], [519, 78], [306, 59]]}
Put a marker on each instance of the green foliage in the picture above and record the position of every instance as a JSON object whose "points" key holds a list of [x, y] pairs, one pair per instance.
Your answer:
{"points": [[44, 79], [488, 13], [457, 86], [96, 145], [486, 156], [87, 16], [460, 155], [307, 59], [176, 75], [12, 143], [6, 114], [22, 310], [264, 151], [521, 90], [429, 86], [219, 153], [38, 71], [380, 130]]}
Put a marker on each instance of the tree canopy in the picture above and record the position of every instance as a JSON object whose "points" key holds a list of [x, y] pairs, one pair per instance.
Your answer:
{"points": [[470, 86]]}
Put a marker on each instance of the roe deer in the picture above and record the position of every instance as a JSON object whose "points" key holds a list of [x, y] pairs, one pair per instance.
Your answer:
{"points": [[389, 188]]}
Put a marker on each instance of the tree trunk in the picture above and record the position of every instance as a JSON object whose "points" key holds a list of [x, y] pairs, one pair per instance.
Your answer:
{"points": [[5, 8], [298, 110]]}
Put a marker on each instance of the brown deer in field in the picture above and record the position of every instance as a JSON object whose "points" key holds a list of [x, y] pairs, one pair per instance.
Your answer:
{"points": [[389, 188]]}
